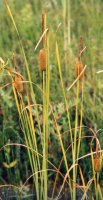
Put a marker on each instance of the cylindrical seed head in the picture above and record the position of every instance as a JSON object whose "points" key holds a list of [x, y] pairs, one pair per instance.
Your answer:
{"points": [[78, 70], [19, 84], [97, 164], [43, 59]]}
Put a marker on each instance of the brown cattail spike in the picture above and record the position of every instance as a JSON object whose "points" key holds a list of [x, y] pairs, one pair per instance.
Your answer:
{"points": [[97, 164], [78, 70], [43, 59], [19, 84]]}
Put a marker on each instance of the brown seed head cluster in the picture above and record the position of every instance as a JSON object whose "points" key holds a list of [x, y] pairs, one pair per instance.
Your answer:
{"points": [[19, 84], [78, 70], [43, 59], [97, 164]]}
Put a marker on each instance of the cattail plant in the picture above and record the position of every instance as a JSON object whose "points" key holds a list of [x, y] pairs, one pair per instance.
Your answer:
{"points": [[45, 81], [18, 84], [79, 65], [78, 70], [97, 159], [79, 87], [43, 59], [97, 163], [43, 51], [18, 79]]}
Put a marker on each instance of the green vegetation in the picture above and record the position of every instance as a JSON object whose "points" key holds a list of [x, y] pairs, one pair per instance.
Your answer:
{"points": [[51, 119]]}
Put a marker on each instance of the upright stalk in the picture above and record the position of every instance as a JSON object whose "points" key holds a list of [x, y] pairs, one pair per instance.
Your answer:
{"points": [[75, 139], [66, 22], [46, 87]]}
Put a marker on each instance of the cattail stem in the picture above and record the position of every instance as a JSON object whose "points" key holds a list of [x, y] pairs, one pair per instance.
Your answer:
{"points": [[75, 139], [44, 67], [43, 19], [97, 180], [81, 119]]}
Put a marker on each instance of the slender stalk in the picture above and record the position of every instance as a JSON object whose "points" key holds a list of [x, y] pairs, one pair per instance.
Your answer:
{"points": [[75, 139], [81, 119], [69, 38], [66, 23], [44, 139]]}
